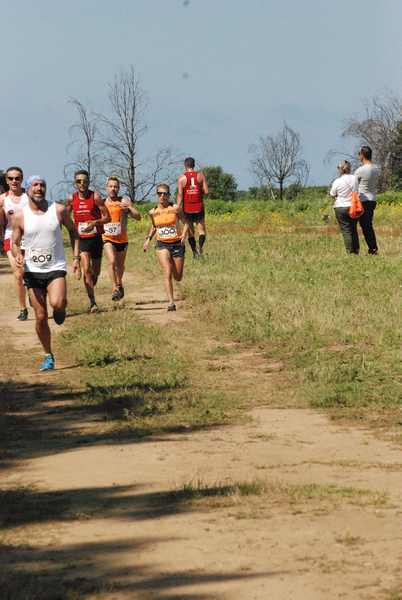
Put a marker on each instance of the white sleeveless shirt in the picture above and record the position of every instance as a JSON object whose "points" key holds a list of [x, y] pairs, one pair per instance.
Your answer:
{"points": [[10, 207], [44, 251]]}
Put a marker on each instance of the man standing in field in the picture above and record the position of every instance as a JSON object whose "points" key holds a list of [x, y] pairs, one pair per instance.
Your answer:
{"points": [[366, 184], [89, 216], [191, 189], [44, 262]]}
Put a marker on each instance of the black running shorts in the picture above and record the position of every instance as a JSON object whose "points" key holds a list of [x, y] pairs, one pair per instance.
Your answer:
{"points": [[118, 246], [176, 249], [195, 217], [41, 280], [92, 245]]}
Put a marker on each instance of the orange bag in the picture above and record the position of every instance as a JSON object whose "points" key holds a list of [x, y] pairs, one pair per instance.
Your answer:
{"points": [[356, 208]]}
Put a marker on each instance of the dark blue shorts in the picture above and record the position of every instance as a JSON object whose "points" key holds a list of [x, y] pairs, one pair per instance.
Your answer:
{"points": [[176, 249]]}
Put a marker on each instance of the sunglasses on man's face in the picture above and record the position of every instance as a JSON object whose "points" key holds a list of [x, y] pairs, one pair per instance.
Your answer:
{"points": [[163, 193], [14, 178], [81, 181]]}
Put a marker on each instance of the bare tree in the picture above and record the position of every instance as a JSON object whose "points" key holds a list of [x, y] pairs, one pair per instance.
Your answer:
{"points": [[379, 130], [122, 132], [276, 160], [84, 143]]}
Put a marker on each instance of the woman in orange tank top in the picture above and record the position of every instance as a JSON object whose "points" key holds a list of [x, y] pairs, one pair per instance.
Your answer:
{"points": [[170, 239], [115, 239]]}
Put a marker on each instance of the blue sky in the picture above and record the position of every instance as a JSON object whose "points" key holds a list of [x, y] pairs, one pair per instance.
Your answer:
{"points": [[250, 64]]}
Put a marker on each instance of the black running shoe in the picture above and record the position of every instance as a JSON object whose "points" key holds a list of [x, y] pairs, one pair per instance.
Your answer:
{"points": [[59, 316], [116, 295], [171, 307], [23, 315], [121, 291]]}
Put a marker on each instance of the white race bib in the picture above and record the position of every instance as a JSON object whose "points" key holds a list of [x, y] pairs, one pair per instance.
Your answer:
{"points": [[82, 225], [41, 257], [112, 228], [167, 233]]}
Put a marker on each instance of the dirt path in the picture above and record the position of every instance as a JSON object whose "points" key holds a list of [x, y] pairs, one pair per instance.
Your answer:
{"points": [[99, 517]]}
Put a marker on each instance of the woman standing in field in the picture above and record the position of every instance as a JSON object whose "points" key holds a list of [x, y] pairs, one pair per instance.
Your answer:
{"points": [[170, 239], [341, 190], [115, 239]]}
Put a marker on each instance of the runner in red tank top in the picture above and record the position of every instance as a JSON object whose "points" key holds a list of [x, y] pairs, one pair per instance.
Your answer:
{"points": [[89, 215], [191, 189]]}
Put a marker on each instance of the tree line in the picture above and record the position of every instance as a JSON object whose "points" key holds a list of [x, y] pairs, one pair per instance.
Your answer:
{"points": [[112, 143]]}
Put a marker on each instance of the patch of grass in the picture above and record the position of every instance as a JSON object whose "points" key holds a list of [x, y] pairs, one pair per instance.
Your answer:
{"points": [[334, 321], [138, 377], [219, 351], [394, 594], [277, 492], [347, 539]]}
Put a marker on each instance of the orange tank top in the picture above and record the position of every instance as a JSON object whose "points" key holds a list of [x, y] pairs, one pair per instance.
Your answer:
{"points": [[167, 224], [116, 229]]}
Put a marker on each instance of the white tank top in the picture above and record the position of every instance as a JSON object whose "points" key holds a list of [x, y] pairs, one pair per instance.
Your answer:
{"points": [[44, 251], [10, 208]]}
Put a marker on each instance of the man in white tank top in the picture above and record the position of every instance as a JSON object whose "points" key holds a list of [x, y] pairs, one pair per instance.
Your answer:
{"points": [[44, 261], [10, 202]]}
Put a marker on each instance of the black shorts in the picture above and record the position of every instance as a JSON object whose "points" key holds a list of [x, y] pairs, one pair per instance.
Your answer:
{"points": [[119, 246], [176, 249], [92, 245], [41, 280], [195, 217]]}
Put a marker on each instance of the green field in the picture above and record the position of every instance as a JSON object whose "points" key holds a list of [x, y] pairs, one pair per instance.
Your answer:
{"points": [[277, 281]]}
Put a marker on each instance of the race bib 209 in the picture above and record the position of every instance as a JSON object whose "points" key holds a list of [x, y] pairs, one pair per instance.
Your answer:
{"points": [[41, 257]]}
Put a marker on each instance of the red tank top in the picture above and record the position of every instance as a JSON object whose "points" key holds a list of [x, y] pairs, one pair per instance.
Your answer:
{"points": [[85, 210], [192, 194]]}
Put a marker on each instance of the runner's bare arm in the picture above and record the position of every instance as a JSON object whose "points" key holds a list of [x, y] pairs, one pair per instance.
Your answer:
{"points": [[183, 219], [18, 230], [204, 185], [151, 232], [65, 219], [64, 215], [129, 205], [100, 203], [180, 187], [2, 218], [69, 202]]}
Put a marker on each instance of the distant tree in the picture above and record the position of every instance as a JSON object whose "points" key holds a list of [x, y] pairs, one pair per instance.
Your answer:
{"points": [[253, 192], [122, 132], [260, 193], [221, 185], [396, 159], [379, 129], [276, 160], [111, 144], [84, 143], [293, 190]]}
